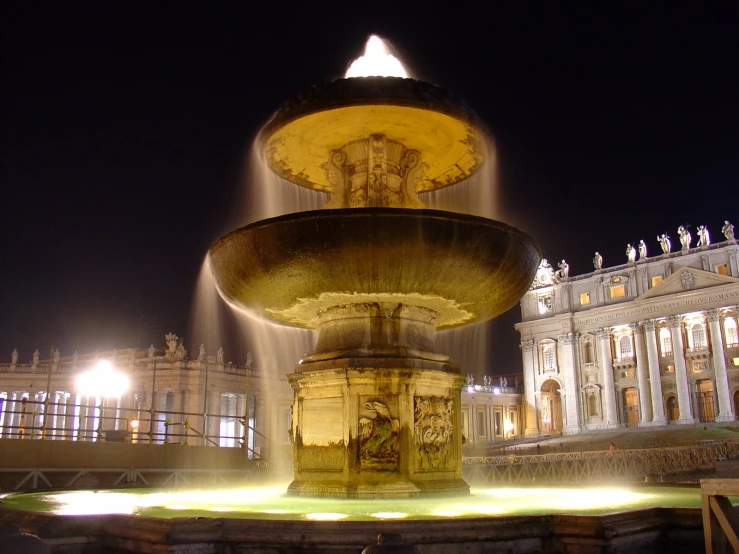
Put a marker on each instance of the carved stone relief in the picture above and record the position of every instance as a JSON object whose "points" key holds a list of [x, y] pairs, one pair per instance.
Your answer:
{"points": [[433, 430], [378, 434]]}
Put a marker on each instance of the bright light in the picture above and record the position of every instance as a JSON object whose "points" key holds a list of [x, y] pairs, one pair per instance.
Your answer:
{"points": [[496, 390], [389, 515], [377, 61], [103, 380], [325, 516]]}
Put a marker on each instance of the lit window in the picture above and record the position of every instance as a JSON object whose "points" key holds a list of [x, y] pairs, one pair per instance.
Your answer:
{"points": [[699, 335], [656, 280], [665, 340], [549, 356], [618, 292], [735, 361], [584, 298], [624, 346], [732, 338], [670, 369], [545, 304], [722, 269]]}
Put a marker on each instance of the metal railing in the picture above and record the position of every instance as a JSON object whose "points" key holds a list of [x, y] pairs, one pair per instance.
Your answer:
{"points": [[599, 465]]}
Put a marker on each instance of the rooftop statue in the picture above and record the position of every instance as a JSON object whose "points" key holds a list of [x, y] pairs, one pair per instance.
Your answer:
{"points": [[598, 261], [201, 353], [704, 239], [685, 237], [219, 355], [665, 243], [36, 356], [642, 250], [564, 270], [728, 230], [630, 253], [14, 356]]}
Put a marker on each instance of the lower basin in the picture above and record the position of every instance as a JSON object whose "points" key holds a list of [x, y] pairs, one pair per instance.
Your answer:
{"points": [[271, 503]]}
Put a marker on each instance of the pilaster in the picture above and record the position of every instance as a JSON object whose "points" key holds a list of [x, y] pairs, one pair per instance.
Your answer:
{"points": [[606, 362], [572, 408], [645, 399]]}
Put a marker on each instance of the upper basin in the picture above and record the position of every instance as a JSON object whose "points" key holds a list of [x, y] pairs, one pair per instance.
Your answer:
{"points": [[291, 268], [299, 137]]}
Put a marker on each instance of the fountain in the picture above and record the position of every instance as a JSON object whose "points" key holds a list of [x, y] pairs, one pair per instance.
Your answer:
{"points": [[376, 415], [376, 274]]}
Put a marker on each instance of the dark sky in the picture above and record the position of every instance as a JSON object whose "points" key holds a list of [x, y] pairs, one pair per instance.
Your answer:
{"points": [[126, 127]]}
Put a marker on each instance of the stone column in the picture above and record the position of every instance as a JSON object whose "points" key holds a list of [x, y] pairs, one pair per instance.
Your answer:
{"points": [[69, 417], [9, 430], [214, 418], [681, 372], [655, 374], [645, 400], [529, 387], [572, 406], [725, 412], [609, 391]]}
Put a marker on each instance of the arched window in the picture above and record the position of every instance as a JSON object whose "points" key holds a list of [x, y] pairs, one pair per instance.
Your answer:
{"points": [[549, 356], [625, 349], [730, 329], [665, 340], [698, 333]]}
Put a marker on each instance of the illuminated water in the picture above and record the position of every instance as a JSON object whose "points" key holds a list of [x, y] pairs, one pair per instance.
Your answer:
{"points": [[271, 503]]}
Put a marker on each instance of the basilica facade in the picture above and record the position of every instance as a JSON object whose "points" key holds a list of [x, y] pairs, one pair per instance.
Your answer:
{"points": [[650, 342]]}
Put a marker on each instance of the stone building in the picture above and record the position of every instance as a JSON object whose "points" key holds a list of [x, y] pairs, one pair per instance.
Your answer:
{"points": [[651, 342], [170, 398]]}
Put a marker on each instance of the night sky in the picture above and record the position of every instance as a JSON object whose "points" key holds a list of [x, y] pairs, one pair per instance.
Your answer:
{"points": [[126, 131]]}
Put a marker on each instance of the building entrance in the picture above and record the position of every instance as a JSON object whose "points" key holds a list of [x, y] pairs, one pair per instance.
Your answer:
{"points": [[631, 407], [550, 411]]}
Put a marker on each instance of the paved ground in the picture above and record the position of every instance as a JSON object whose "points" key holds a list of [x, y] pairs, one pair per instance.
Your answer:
{"points": [[631, 438]]}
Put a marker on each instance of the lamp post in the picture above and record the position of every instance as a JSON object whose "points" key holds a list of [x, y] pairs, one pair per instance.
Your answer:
{"points": [[102, 381]]}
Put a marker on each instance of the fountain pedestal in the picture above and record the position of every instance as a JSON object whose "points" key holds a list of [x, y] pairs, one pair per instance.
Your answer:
{"points": [[377, 428]]}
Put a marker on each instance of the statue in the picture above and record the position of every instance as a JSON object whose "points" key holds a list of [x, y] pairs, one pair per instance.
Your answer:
{"points": [[56, 356], [219, 356], [75, 357], [248, 360], [564, 270], [630, 253], [14, 356], [505, 382], [642, 250], [728, 230], [36, 356], [180, 353], [201, 354], [171, 340], [501, 382], [685, 237], [665, 243], [598, 261], [152, 350], [704, 239]]}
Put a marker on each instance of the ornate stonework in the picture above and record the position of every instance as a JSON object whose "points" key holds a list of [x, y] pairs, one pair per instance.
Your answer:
{"points": [[433, 430], [527, 345], [649, 325], [687, 281], [675, 320], [713, 315], [378, 437], [603, 333]]}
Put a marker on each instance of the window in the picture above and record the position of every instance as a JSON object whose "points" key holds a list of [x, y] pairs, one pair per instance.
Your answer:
{"points": [[656, 280], [584, 298], [593, 404], [481, 423], [549, 356], [699, 335], [670, 369], [625, 348], [730, 330], [665, 340], [722, 269], [545, 304], [498, 424], [618, 291]]}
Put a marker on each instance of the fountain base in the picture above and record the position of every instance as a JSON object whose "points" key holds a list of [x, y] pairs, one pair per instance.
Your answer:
{"points": [[377, 428]]}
